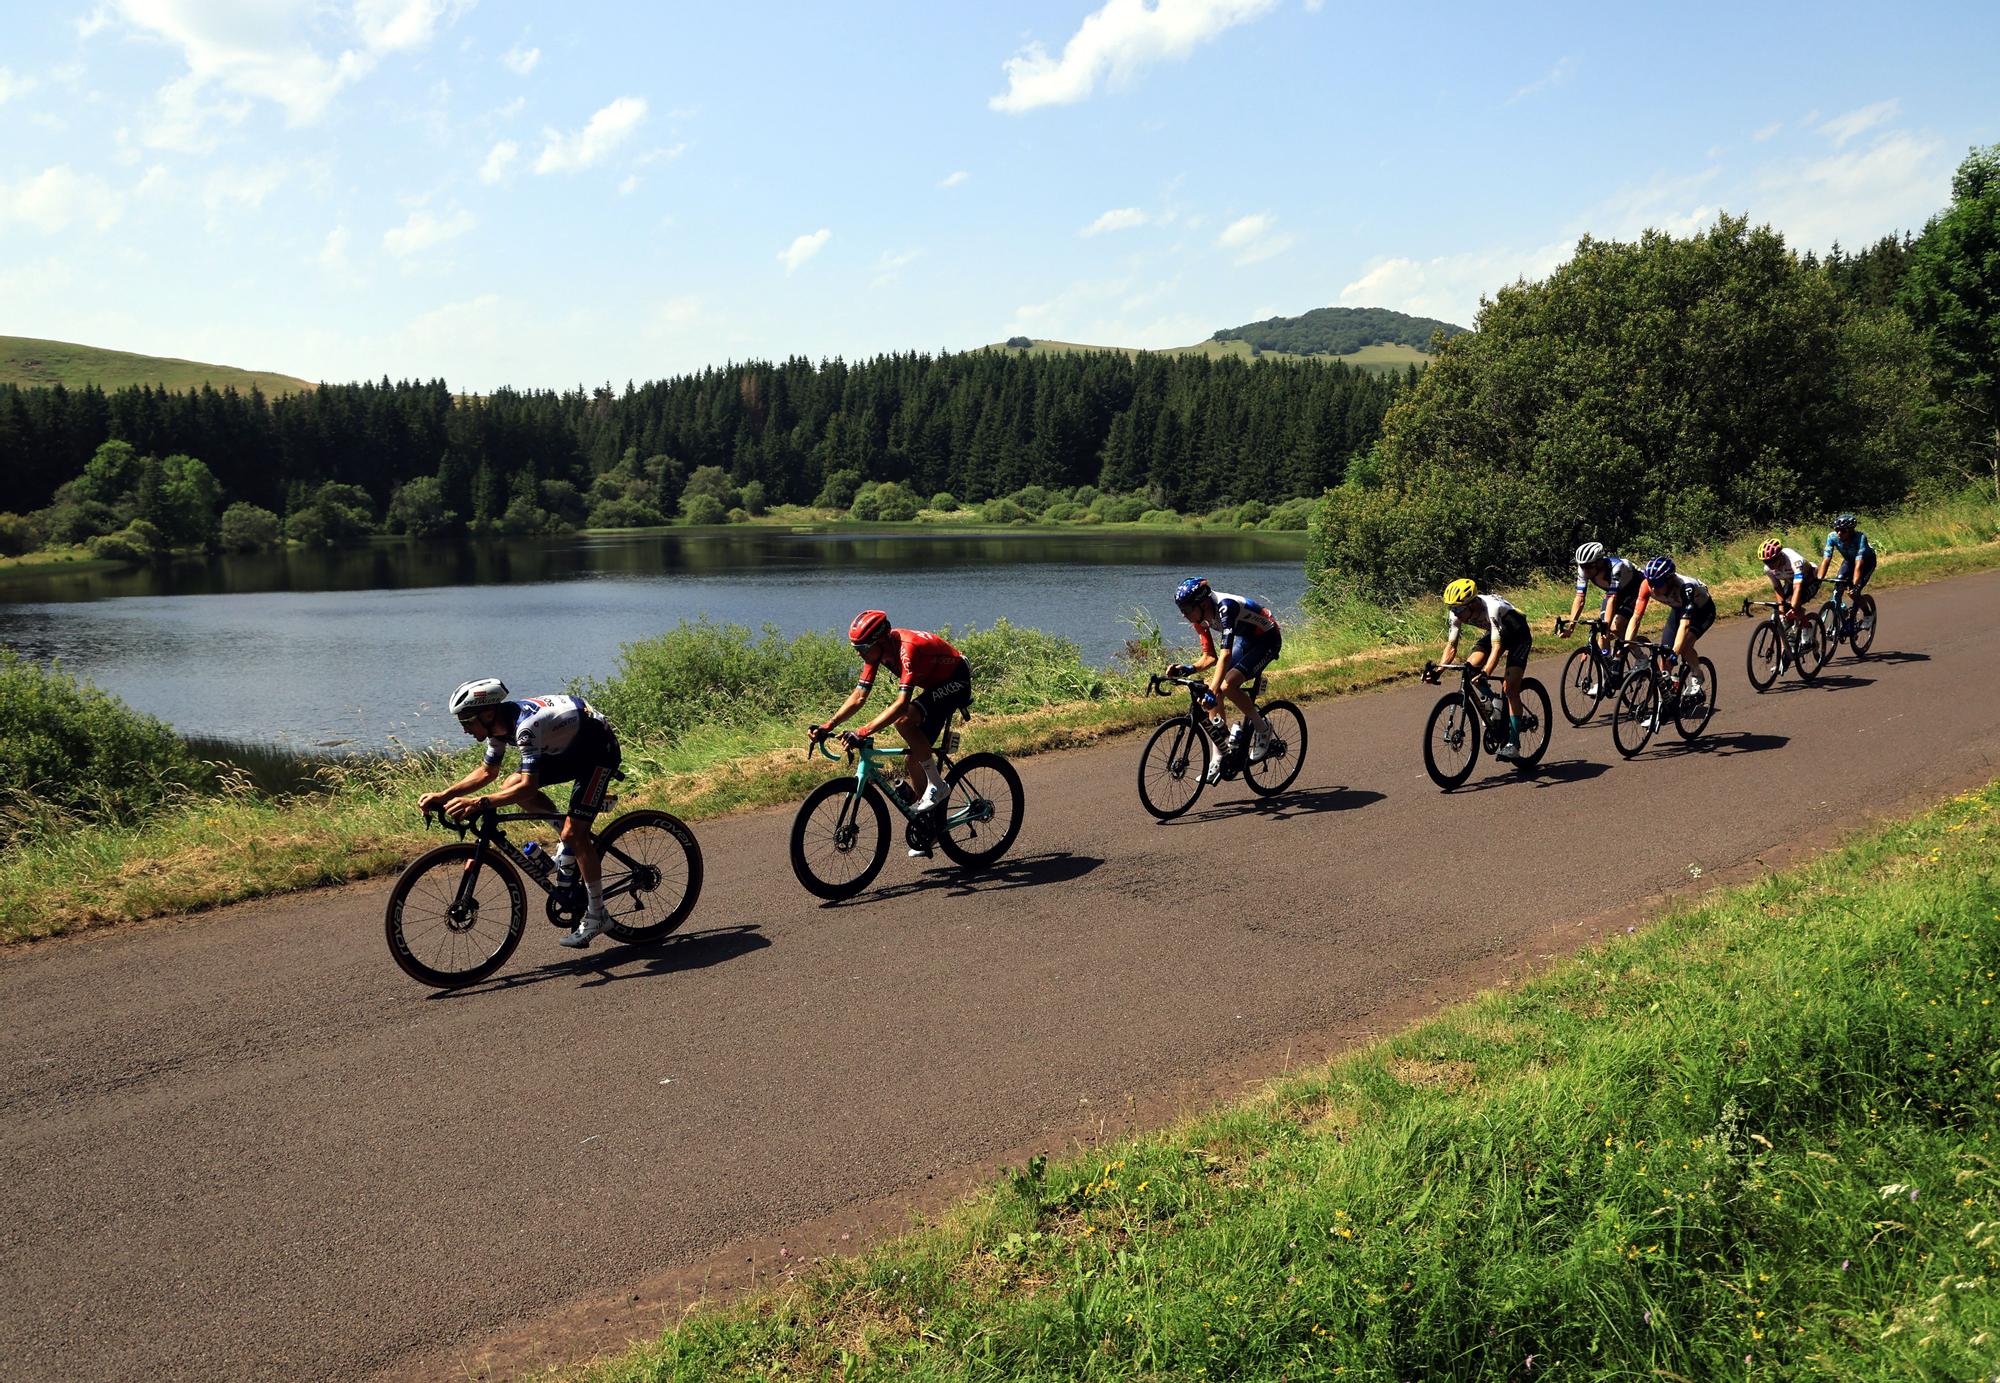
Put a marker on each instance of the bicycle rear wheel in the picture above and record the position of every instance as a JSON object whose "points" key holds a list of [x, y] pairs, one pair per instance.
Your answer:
{"points": [[840, 839], [1692, 717], [985, 789], [652, 875], [1582, 686], [1863, 637], [1172, 767], [1809, 650], [1451, 740], [1636, 715], [1284, 754], [1534, 724], [1766, 656], [454, 917]]}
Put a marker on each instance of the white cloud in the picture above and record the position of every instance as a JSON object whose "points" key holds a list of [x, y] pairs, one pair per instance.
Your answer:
{"points": [[59, 197], [398, 26], [1854, 197], [332, 254], [607, 129], [1845, 127], [240, 189], [1124, 218], [1771, 129], [1564, 69], [521, 61], [12, 86], [890, 266], [1449, 287], [1254, 238], [424, 230], [629, 186], [1114, 44], [803, 249], [956, 179], [498, 159]]}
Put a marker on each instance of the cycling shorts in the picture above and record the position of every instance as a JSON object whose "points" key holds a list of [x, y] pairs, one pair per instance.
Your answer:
{"points": [[1254, 652], [935, 706], [590, 762], [1515, 639], [1806, 583], [1700, 616], [1864, 570], [1618, 603]]}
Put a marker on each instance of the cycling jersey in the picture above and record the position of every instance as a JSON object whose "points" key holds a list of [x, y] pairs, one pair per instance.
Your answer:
{"points": [[1236, 616], [1852, 546], [1481, 612], [1789, 563], [921, 660], [1678, 593], [1620, 578], [545, 728]]}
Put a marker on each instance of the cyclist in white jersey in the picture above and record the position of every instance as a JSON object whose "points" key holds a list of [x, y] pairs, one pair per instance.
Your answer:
{"points": [[1502, 625], [562, 740], [1793, 575]]}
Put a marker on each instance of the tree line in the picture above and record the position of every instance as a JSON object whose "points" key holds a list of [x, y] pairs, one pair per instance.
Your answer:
{"points": [[1184, 433]]}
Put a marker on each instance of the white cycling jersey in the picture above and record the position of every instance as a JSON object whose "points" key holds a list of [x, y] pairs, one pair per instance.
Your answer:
{"points": [[1679, 591], [1792, 563], [546, 728], [1619, 575], [1481, 612]]}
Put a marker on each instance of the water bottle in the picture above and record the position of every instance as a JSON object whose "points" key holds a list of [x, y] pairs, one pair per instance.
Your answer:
{"points": [[538, 863], [1218, 728]]}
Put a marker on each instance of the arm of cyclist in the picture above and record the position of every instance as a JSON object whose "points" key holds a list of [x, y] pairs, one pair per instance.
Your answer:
{"points": [[1631, 630], [847, 708], [518, 789], [478, 778], [901, 703]]}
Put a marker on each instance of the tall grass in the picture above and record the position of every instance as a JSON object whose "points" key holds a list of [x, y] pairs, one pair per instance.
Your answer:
{"points": [[1756, 1141]]}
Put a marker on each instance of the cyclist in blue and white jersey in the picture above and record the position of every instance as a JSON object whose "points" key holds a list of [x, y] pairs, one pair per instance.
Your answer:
{"points": [[1239, 639], [562, 740], [1617, 578], [1690, 614], [1499, 624], [1857, 557], [1792, 576]]}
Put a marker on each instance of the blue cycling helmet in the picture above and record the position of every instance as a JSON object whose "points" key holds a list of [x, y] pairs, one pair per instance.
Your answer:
{"points": [[1843, 522], [1194, 589], [1659, 569]]}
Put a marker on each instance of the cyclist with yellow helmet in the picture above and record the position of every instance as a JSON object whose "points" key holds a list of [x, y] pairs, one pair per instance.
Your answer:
{"points": [[1502, 625]]}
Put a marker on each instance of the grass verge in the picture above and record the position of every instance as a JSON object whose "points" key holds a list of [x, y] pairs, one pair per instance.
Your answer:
{"points": [[245, 844], [1756, 1140]]}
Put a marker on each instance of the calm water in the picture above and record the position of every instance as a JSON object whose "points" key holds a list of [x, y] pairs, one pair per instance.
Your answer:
{"points": [[358, 647]]}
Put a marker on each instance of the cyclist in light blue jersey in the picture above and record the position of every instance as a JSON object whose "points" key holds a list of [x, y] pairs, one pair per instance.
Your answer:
{"points": [[1857, 555]]}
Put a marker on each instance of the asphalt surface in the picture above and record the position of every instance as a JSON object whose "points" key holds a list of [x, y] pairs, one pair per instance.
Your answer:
{"points": [[244, 1145]]}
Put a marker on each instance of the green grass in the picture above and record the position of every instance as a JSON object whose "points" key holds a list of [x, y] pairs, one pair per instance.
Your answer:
{"points": [[1380, 358], [1755, 1141], [34, 363], [245, 845]]}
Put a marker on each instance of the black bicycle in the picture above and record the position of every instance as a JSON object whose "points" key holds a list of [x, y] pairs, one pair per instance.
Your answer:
{"points": [[1654, 692], [1849, 622], [1476, 714], [1778, 643], [1191, 750], [458, 911], [1594, 672]]}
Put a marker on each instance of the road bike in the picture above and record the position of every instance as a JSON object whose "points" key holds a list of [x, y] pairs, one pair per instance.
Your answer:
{"points": [[1652, 692], [458, 911], [840, 836], [1852, 623], [1778, 643], [1594, 672], [1476, 714], [1190, 750]]}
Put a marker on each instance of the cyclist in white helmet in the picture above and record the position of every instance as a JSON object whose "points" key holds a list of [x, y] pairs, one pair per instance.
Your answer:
{"points": [[562, 740], [1617, 578]]}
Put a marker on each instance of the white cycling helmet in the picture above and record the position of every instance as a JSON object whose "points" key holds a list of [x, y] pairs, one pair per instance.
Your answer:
{"points": [[474, 697], [1588, 553]]}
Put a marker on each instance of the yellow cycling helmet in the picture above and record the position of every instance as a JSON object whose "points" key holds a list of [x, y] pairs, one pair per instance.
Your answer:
{"points": [[1460, 591]]}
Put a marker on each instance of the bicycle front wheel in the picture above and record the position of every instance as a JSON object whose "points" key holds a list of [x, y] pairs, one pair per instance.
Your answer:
{"points": [[1691, 715], [1451, 740], [983, 796], [1863, 637], [652, 875], [1534, 724], [1637, 712], [1766, 656], [1171, 768], [840, 839], [1284, 752], [455, 915], [1582, 686]]}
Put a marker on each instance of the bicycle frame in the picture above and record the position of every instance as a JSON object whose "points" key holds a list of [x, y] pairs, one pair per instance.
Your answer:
{"points": [[485, 827], [868, 768]]}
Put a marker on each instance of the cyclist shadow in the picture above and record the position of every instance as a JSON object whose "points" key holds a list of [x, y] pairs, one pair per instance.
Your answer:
{"points": [[1897, 657], [1024, 871], [618, 961], [1286, 805], [1837, 680], [1724, 743], [1543, 775]]}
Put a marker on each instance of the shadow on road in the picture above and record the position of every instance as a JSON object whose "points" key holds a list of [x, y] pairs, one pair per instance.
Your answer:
{"points": [[1286, 805], [1024, 871], [1543, 775], [617, 961], [1725, 743], [1897, 657], [1839, 681]]}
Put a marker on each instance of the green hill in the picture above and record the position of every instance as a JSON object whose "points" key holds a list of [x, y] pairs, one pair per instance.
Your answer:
{"points": [[30, 362], [1378, 359], [1339, 331]]}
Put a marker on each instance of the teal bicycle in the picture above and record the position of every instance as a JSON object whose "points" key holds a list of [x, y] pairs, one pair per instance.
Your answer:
{"points": [[840, 838]]}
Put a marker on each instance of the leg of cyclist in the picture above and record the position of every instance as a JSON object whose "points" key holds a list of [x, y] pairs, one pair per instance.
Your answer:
{"points": [[1514, 640], [586, 800]]}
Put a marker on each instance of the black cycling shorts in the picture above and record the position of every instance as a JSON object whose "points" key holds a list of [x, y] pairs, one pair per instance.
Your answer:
{"points": [[591, 762], [1515, 639], [1864, 569], [1252, 653], [1700, 616], [935, 706]]}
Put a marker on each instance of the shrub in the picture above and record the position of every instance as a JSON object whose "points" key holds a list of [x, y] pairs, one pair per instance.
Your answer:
{"points": [[137, 541], [1063, 511], [1033, 498], [417, 508], [737, 516], [839, 490], [1292, 516], [625, 513], [944, 501], [248, 528], [702, 509], [889, 502], [72, 519], [713, 480], [1019, 343], [1124, 509], [1158, 516], [753, 497], [336, 513], [702, 675], [1016, 668], [17, 535], [71, 752], [1002, 511]]}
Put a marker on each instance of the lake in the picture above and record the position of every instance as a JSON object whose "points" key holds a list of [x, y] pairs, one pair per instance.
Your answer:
{"points": [[358, 647]]}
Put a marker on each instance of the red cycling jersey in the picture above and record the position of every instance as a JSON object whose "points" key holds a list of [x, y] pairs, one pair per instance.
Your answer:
{"points": [[921, 659]]}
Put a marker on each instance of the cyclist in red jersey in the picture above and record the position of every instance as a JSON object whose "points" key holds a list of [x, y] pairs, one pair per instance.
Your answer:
{"points": [[935, 681]]}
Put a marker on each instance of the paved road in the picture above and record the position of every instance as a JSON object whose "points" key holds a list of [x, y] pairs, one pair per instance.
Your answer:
{"points": [[244, 1145]]}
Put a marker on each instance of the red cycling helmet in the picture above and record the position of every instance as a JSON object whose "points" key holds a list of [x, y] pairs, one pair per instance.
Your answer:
{"points": [[868, 626]]}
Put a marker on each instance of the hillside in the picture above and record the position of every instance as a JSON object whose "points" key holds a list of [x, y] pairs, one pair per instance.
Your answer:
{"points": [[31, 362], [1377, 359], [1339, 331]]}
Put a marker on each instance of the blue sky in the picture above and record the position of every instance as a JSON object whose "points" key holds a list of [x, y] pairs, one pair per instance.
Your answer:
{"points": [[537, 195]]}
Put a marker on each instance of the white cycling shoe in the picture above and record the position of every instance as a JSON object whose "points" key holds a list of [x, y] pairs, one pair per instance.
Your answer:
{"points": [[1260, 742], [595, 920]]}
